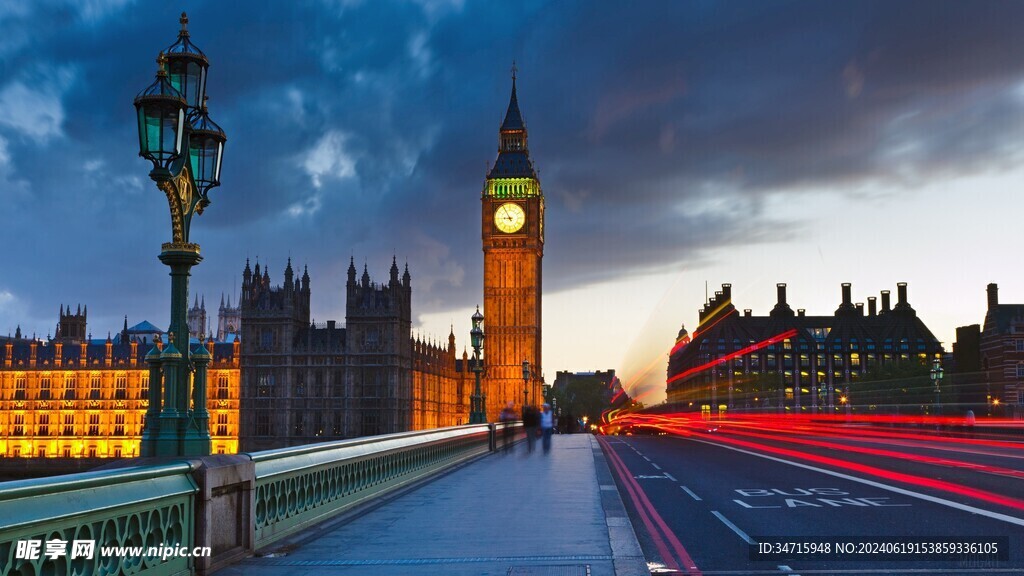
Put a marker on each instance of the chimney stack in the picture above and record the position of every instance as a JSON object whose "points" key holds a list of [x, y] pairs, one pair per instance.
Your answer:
{"points": [[847, 299], [885, 301], [993, 295], [800, 311], [901, 291], [860, 308], [872, 311], [781, 288], [747, 311], [727, 291]]}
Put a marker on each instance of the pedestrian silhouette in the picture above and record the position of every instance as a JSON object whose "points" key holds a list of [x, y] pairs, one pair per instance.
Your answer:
{"points": [[531, 420], [547, 426], [508, 417]]}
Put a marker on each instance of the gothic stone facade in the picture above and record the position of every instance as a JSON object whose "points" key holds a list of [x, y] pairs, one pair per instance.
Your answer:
{"points": [[304, 382], [72, 398]]}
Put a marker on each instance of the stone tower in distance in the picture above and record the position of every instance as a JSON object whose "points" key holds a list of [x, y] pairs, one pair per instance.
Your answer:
{"points": [[512, 229]]}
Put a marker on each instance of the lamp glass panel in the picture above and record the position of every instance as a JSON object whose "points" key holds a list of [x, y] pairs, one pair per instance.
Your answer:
{"points": [[220, 156], [179, 130], [195, 157], [168, 139], [154, 133], [143, 131]]}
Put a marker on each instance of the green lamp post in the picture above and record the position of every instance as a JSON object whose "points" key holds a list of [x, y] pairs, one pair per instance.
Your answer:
{"points": [[477, 414], [526, 384], [936, 373], [185, 147]]}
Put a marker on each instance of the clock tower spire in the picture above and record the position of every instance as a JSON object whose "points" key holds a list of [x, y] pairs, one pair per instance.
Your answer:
{"points": [[513, 244]]}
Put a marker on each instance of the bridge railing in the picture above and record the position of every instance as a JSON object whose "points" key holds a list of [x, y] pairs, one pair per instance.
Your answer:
{"points": [[232, 504], [142, 507], [302, 486]]}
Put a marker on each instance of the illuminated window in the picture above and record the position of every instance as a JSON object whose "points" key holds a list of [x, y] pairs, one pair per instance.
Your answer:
{"points": [[44, 388], [92, 451], [805, 361], [94, 387], [787, 345], [44, 424], [222, 424], [69, 425], [19, 388], [855, 360], [121, 387], [19, 425], [144, 387], [69, 387], [837, 360], [119, 424], [66, 452], [94, 425], [222, 387]]}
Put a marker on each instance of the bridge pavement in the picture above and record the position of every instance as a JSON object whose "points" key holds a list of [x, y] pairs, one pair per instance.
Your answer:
{"points": [[516, 514]]}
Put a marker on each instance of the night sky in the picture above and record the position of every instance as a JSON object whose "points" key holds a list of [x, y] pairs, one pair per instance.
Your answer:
{"points": [[678, 143]]}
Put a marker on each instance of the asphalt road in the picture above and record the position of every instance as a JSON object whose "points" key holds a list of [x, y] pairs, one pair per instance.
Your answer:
{"points": [[699, 502]]}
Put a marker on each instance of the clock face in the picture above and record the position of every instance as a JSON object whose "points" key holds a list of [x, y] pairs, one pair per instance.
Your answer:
{"points": [[509, 217]]}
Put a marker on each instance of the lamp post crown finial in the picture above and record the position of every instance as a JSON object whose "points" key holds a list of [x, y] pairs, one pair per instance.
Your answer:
{"points": [[184, 24]]}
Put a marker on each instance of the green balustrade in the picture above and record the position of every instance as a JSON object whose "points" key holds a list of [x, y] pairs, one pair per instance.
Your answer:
{"points": [[299, 487], [142, 507]]}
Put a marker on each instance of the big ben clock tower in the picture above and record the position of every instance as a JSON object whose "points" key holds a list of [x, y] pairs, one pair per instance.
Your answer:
{"points": [[513, 242]]}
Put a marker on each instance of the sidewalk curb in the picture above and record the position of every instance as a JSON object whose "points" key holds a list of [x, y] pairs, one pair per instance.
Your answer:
{"points": [[627, 556]]}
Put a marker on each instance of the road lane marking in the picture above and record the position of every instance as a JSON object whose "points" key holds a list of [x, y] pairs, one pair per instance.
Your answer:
{"points": [[690, 492], [650, 517], [670, 477], [646, 458], [733, 527], [656, 466], [905, 492]]}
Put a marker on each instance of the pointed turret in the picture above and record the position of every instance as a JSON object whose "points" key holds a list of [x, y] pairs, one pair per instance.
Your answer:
{"points": [[288, 273], [366, 276], [513, 153], [406, 279], [394, 271], [305, 279]]}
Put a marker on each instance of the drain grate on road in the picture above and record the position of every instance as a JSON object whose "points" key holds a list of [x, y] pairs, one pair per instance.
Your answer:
{"points": [[562, 570]]}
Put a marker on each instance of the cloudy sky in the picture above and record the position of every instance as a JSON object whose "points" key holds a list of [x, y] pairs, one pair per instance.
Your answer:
{"points": [[679, 144]]}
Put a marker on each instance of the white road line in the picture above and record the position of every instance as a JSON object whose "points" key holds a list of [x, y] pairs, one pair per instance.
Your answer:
{"points": [[905, 492], [669, 476], [733, 527], [656, 466], [646, 458], [690, 492]]}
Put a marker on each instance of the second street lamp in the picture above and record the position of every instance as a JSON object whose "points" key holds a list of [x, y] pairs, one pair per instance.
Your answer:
{"points": [[477, 414], [526, 384], [936, 374], [185, 147]]}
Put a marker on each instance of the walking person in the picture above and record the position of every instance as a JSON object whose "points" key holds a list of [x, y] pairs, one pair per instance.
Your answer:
{"points": [[531, 419], [508, 417], [547, 426]]}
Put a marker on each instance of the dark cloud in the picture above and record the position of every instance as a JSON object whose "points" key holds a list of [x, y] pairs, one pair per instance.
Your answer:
{"points": [[364, 128]]}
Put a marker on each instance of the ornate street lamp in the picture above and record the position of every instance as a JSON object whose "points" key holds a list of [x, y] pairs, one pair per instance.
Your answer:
{"points": [[526, 384], [936, 374], [477, 415], [185, 147]]}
